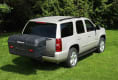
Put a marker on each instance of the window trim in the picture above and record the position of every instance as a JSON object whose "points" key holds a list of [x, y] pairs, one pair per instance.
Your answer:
{"points": [[83, 26]]}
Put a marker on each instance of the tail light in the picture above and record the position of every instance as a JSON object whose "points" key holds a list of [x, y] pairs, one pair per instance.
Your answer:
{"points": [[58, 45], [11, 46], [31, 50]]}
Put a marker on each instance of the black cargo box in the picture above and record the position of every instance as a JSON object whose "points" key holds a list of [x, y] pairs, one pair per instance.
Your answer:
{"points": [[27, 45]]}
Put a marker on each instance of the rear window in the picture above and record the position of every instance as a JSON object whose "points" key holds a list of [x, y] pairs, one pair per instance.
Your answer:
{"points": [[41, 29], [66, 29]]}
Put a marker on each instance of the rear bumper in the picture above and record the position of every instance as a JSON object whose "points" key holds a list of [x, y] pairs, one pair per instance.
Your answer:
{"points": [[59, 57]]}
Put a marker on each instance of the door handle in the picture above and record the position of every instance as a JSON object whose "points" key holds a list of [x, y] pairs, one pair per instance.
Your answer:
{"points": [[89, 36]]}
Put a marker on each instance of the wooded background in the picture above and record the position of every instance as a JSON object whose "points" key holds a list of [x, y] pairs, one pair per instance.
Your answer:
{"points": [[15, 13]]}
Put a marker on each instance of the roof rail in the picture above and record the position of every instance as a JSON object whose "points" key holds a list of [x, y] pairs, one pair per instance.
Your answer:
{"points": [[65, 19], [69, 18]]}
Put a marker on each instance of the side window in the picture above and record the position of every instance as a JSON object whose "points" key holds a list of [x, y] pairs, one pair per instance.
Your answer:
{"points": [[80, 27], [89, 26], [66, 29]]}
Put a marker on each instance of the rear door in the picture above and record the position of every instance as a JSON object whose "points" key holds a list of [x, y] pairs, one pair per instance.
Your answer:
{"points": [[67, 31]]}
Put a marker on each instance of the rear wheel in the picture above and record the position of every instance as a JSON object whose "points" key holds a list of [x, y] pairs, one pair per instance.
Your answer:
{"points": [[101, 46], [72, 58]]}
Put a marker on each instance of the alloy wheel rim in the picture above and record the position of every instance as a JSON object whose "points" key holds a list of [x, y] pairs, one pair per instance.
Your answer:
{"points": [[73, 59], [102, 46]]}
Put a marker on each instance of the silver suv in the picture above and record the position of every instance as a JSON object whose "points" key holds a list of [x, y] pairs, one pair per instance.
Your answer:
{"points": [[58, 39]]}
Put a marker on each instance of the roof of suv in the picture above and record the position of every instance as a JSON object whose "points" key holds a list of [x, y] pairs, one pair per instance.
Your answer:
{"points": [[52, 19]]}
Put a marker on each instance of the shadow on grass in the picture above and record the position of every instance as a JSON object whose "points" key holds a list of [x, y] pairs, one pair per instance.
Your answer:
{"points": [[27, 66], [85, 56]]}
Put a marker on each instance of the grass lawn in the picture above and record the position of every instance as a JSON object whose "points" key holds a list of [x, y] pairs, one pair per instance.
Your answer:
{"points": [[92, 67]]}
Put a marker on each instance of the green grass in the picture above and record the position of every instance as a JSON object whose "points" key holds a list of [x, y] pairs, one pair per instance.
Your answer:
{"points": [[91, 67]]}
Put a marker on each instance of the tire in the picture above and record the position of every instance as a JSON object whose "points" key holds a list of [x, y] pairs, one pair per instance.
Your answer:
{"points": [[101, 46], [72, 58]]}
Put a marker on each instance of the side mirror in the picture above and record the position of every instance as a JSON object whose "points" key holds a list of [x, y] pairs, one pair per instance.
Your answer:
{"points": [[98, 27]]}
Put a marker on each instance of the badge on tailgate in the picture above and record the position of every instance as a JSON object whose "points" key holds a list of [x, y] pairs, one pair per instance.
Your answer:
{"points": [[20, 42]]}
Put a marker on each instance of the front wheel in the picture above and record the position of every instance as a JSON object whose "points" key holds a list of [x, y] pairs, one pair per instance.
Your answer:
{"points": [[72, 58], [101, 46]]}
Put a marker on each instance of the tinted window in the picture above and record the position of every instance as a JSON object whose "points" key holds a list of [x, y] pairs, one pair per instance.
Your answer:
{"points": [[66, 29], [80, 27], [45, 30], [89, 26]]}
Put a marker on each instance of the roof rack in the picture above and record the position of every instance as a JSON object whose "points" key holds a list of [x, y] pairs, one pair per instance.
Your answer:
{"points": [[65, 19], [69, 18]]}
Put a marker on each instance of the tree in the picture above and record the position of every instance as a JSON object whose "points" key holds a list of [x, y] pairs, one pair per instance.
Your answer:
{"points": [[4, 9], [19, 15], [113, 18], [104, 12]]}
